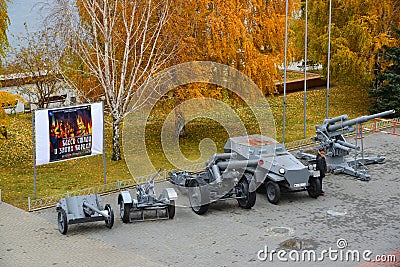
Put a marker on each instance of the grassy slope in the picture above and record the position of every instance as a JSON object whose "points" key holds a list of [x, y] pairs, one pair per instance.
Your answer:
{"points": [[16, 180]]}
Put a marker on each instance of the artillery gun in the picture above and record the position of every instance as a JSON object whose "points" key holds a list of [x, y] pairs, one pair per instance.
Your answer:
{"points": [[331, 139], [248, 162], [222, 179], [133, 210], [82, 209]]}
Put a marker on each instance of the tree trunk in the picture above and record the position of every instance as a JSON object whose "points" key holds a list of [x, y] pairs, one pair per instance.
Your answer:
{"points": [[116, 155], [179, 124]]}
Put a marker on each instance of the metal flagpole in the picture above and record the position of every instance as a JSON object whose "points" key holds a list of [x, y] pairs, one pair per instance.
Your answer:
{"points": [[305, 71], [284, 72], [329, 59]]}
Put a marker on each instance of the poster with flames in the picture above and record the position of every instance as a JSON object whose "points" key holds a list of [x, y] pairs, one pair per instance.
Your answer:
{"points": [[70, 133], [67, 133]]}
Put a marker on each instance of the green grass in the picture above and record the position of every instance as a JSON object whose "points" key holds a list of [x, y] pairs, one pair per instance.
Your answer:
{"points": [[16, 180]]}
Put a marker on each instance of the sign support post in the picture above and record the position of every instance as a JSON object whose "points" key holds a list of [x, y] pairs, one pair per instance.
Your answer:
{"points": [[67, 133], [34, 154], [104, 149]]}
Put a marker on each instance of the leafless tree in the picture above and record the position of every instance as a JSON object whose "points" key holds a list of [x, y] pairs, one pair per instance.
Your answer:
{"points": [[120, 44], [36, 61]]}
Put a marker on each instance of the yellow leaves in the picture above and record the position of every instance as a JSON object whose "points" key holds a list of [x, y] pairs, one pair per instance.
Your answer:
{"points": [[359, 28], [4, 23], [245, 35], [8, 100]]}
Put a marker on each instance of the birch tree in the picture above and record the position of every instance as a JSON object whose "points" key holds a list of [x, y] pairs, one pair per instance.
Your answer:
{"points": [[118, 45]]}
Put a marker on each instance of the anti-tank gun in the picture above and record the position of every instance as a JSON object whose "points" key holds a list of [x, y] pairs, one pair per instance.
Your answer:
{"points": [[330, 136], [248, 162], [222, 179]]}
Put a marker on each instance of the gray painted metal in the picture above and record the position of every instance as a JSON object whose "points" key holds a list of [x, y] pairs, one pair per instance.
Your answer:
{"points": [[82, 209], [260, 158], [275, 162], [344, 122], [331, 139], [146, 202], [51, 201]]}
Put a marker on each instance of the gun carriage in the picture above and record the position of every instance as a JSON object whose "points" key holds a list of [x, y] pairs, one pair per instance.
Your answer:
{"points": [[330, 136], [248, 162], [146, 201], [82, 209]]}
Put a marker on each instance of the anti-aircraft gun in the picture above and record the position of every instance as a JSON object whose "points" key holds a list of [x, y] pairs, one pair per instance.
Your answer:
{"points": [[331, 139], [135, 210]]}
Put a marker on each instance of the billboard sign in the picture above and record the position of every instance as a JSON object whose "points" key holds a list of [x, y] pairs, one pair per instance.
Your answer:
{"points": [[67, 133]]}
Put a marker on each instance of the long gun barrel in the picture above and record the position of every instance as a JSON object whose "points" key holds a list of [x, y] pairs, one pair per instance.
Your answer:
{"points": [[150, 182], [337, 126], [86, 204], [336, 119], [233, 164]]}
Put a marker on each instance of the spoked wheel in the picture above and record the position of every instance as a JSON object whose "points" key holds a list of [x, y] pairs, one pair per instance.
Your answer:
{"points": [[273, 192], [109, 221], [249, 198], [199, 198], [171, 209], [62, 222], [314, 188], [124, 210]]}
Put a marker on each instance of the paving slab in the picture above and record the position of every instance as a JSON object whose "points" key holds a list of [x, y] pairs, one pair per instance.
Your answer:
{"points": [[29, 240], [354, 221]]}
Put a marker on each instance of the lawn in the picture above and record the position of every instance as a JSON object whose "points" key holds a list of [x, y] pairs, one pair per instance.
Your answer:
{"points": [[16, 156]]}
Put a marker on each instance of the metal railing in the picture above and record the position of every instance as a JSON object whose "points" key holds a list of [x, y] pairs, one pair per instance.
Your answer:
{"points": [[393, 124], [299, 144], [366, 128], [51, 201]]}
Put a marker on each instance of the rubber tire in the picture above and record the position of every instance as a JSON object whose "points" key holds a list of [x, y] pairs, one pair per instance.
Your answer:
{"points": [[171, 209], [124, 210], [250, 200], [202, 208], [62, 222], [273, 192], [110, 222], [314, 188]]}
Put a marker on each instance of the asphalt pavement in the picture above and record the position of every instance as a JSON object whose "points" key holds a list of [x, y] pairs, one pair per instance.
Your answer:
{"points": [[355, 221]]}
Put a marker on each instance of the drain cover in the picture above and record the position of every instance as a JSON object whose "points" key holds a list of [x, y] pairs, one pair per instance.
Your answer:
{"points": [[298, 244]]}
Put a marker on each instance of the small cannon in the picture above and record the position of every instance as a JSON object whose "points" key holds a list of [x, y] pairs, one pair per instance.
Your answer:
{"points": [[331, 139], [133, 210], [82, 209]]}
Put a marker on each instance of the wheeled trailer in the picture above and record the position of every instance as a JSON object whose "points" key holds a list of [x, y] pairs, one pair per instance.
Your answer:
{"points": [[146, 205], [83, 209]]}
